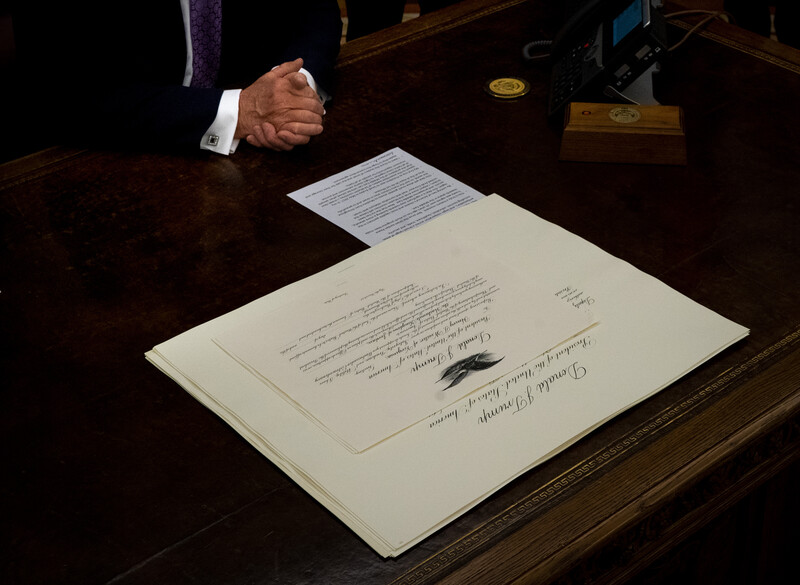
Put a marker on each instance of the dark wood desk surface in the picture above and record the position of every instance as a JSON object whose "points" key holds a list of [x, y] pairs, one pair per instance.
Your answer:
{"points": [[114, 474]]}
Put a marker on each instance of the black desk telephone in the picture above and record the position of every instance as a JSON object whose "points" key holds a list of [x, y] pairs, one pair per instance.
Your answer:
{"points": [[608, 47]]}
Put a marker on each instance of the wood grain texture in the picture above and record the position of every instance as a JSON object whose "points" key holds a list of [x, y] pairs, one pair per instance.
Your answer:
{"points": [[621, 133], [114, 474]]}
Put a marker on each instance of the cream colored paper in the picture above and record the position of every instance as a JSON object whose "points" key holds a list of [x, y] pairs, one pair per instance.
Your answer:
{"points": [[376, 347], [405, 488]]}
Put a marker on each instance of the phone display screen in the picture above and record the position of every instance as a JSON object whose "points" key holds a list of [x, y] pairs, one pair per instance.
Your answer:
{"points": [[626, 21]]}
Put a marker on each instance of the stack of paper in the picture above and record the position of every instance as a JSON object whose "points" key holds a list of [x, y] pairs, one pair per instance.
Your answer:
{"points": [[437, 366]]}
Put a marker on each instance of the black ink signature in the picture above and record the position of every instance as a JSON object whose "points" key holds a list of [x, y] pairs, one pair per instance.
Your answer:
{"points": [[460, 369]]}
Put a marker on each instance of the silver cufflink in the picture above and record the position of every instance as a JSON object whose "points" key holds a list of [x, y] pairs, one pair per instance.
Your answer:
{"points": [[213, 140]]}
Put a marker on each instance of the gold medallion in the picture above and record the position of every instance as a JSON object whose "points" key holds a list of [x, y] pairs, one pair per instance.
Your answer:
{"points": [[625, 115], [507, 88]]}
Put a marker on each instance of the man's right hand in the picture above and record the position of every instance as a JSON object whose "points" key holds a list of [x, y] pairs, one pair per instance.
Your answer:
{"points": [[280, 110]]}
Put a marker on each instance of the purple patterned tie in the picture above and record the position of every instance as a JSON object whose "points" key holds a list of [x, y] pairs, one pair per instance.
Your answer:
{"points": [[205, 17]]}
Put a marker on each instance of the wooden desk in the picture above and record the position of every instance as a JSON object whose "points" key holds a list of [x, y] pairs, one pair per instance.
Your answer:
{"points": [[114, 474]]}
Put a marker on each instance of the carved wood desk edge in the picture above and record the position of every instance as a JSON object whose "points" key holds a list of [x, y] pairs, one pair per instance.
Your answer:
{"points": [[419, 28], [743, 41], [39, 164]]}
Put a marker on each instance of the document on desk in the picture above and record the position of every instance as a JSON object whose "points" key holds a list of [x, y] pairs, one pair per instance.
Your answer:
{"points": [[403, 488], [372, 350], [385, 196]]}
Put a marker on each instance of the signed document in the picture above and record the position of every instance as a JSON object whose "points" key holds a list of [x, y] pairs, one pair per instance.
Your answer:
{"points": [[385, 196], [529, 402], [373, 350]]}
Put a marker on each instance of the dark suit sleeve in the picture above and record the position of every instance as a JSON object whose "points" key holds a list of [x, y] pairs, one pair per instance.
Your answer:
{"points": [[108, 73], [155, 116], [260, 35], [318, 41]]}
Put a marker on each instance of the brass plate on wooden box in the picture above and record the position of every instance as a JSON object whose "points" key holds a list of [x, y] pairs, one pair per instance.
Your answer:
{"points": [[622, 133]]}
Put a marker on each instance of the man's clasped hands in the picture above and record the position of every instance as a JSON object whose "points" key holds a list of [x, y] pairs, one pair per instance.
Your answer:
{"points": [[280, 110]]}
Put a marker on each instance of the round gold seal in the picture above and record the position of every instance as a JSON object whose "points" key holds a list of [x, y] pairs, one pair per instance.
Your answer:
{"points": [[625, 115], [507, 87]]}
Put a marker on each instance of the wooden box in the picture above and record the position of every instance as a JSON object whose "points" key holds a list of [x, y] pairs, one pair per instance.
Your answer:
{"points": [[620, 133]]}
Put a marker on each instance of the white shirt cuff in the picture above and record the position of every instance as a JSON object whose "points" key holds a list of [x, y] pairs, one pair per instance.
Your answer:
{"points": [[312, 83], [219, 136], [323, 95]]}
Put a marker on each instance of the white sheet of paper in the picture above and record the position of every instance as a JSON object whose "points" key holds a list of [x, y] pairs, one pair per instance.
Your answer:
{"points": [[374, 350], [405, 488], [385, 196]]}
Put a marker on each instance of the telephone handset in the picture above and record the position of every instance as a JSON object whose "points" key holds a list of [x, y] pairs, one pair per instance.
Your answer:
{"points": [[587, 16], [604, 48]]}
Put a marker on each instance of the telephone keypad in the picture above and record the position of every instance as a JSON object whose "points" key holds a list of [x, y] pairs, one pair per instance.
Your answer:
{"points": [[569, 70]]}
